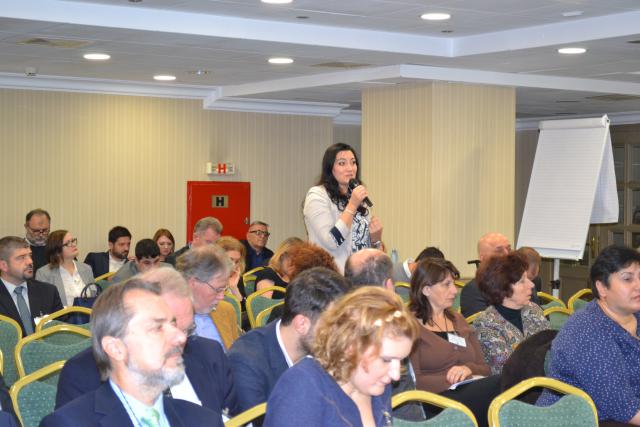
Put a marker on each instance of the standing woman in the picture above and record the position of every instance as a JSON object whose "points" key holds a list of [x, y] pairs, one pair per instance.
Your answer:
{"points": [[63, 271], [165, 241], [334, 215]]}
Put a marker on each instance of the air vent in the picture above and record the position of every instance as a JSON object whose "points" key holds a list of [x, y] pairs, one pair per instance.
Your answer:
{"points": [[339, 64], [60, 43], [614, 97]]}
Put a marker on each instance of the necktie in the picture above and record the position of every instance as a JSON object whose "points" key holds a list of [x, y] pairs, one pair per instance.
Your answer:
{"points": [[151, 418], [23, 310]]}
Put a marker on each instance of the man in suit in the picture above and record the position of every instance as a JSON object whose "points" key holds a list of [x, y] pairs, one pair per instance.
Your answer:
{"points": [[207, 269], [138, 350], [37, 225], [207, 231], [112, 260], [262, 355], [208, 373], [257, 253], [22, 298]]}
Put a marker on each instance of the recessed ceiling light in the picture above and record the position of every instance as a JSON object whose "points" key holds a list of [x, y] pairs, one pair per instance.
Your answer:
{"points": [[96, 56], [572, 13], [572, 50], [280, 60], [199, 72], [435, 16], [276, 1], [164, 77]]}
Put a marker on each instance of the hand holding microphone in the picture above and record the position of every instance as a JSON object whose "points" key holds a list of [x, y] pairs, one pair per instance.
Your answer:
{"points": [[359, 192]]}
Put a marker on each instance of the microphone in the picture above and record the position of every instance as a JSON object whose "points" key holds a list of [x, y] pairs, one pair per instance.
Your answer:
{"points": [[353, 183]]}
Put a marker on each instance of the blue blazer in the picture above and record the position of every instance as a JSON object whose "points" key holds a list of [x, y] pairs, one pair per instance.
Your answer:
{"points": [[206, 366], [7, 420], [99, 262], [257, 362], [102, 408]]}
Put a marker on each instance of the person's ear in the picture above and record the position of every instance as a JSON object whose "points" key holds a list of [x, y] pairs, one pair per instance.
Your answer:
{"points": [[388, 284], [114, 347], [302, 325], [602, 289]]}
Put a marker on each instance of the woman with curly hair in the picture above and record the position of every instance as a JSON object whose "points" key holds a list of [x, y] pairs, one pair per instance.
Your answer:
{"points": [[334, 214], [359, 344]]}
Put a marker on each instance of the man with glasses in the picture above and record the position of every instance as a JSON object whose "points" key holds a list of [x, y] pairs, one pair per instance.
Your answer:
{"points": [[208, 379], [37, 225], [258, 255], [207, 269]]}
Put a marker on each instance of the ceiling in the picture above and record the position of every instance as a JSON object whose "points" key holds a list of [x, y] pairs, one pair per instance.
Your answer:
{"points": [[381, 42]]}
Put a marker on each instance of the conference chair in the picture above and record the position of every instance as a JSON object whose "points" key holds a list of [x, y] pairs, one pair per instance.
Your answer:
{"points": [[263, 317], [249, 280], [454, 413], [34, 396], [575, 409], [256, 302], [579, 300], [247, 416], [472, 318], [403, 290], [557, 316], [104, 280], [235, 302], [51, 320], [35, 351], [548, 301], [1, 363], [10, 334]]}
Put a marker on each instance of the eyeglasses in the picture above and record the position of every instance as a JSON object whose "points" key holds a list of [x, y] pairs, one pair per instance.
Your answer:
{"points": [[72, 242], [216, 290], [260, 233], [38, 230]]}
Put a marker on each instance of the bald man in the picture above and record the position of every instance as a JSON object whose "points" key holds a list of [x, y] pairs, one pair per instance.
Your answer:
{"points": [[489, 245]]}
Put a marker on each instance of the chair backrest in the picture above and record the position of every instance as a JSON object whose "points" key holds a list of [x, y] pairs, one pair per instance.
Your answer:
{"points": [[256, 302], [45, 322], [403, 290], [33, 398], [472, 318], [578, 300], [249, 280], [456, 302], [576, 409], [1, 362], [235, 302], [454, 414], [557, 316], [105, 276], [549, 301], [34, 351], [10, 334], [247, 416], [263, 317]]}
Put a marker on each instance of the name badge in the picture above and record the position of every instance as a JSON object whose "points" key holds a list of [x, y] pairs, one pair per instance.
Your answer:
{"points": [[457, 340]]}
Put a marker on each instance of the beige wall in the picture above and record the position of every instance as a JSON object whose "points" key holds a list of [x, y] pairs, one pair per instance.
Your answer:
{"points": [[526, 144], [95, 161], [348, 134], [439, 161]]}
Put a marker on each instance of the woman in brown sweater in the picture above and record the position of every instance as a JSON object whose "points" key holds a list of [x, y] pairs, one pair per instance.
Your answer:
{"points": [[447, 350]]}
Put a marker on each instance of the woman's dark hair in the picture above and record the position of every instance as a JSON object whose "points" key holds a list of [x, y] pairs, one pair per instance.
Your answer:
{"points": [[329, 181], [496, 276], [428, 272], [53, 250], [611, 260]]}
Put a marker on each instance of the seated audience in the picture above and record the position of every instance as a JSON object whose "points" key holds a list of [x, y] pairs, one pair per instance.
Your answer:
{"points": [[37, 225], [533, 260], [280, 269], [147, 258], [257, 253], [359, 344], [22, 298], [236, 253], [206, 232], [511, 317], [207, 382], [138, 351], [471, 299], [369, 267], [402, 271], [165, 241], [111, 261], [260, 357], [63, 271], [447, 351], [207, 269], [598, 349]]}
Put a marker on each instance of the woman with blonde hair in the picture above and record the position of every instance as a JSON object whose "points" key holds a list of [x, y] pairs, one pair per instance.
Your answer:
{"points": [[280, 269], [236, 253], [359, 344]]}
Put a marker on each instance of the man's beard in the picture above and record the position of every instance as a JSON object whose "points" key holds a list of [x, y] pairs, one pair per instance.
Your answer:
{"points": [[37, 239], [162, 378]]}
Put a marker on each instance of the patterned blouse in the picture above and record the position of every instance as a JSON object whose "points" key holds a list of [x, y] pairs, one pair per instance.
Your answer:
{"points": [[498, 337]]}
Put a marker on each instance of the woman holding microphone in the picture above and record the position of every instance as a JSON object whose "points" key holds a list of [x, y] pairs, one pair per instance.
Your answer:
{"points": [[334, 210]]}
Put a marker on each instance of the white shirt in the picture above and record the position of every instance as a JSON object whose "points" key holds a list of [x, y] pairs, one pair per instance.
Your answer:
{"points": [[115, 264], [281, 344], [11, 287], [73, 283]]}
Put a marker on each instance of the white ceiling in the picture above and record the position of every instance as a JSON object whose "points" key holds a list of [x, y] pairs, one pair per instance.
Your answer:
{"points": [[516, 40]]}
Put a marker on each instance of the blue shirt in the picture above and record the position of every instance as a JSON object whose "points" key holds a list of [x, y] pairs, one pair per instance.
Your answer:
{"points": [[306, 395], [207, 329], [136, 409], [595, 354]]}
